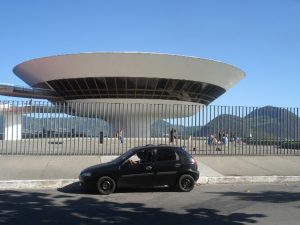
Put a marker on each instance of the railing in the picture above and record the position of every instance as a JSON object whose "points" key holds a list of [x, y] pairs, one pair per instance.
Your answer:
{"points": [[41, 128]]}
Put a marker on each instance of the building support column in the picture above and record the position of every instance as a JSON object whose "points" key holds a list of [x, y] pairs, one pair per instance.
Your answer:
{"points": [[12, 127]]}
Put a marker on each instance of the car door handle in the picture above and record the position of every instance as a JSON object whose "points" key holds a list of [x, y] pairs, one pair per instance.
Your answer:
{"points": [[148, 167], [177, 165]]}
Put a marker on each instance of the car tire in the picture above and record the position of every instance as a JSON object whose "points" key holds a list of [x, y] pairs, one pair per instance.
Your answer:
{"points": [[186, 183], [106, 185]]}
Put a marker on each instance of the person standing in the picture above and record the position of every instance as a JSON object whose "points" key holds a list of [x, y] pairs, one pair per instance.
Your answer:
{"points": [[121, 136], [171, 137]]}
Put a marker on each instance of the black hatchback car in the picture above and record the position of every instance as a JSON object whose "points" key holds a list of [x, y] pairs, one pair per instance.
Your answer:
{"points": [[147, 166]]}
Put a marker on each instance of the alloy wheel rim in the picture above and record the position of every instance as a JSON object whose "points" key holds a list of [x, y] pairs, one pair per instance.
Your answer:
{"points": [[106, 185], [186, 183]]}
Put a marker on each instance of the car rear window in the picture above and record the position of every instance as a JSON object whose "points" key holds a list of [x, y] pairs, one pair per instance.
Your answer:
{"points": [[166, 154]]}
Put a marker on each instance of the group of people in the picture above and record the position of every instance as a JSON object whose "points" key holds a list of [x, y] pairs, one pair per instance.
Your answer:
{"points": [[222, 138]]}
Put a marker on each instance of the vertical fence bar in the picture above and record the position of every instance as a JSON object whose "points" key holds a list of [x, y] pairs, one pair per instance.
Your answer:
{"points": [[297, 136], [205, 130], [68, 129], [93, 133], [21, 126], [274, 131], [168, 123], [44, 130], [52, 119], [76, 129], [127, 139], [134, 126], [147, 124], [38, 150], [150, 123], [216, 127], [236, 135], [80, 128], [253, 139], [17, 127], [124, 124], [3, 126], [57, 130], [114, 122], [195, 134], [138, 123], [212, 128], [5, 119], [76, 119], [226, 132], [285, 120], [198, 132], [277, 131], [105, 109], [48, 129], [161, 121], [63, 118], [101, 133], [188, 129], [248, 130], [288, 131], [281, 131], [257, 131], [270, 131], [167, 133], [175, 125], [117, 123], [29, 129], [88, 131], [6, 137], [12, 127], [231, 129], [130, 129], [293, 124]]}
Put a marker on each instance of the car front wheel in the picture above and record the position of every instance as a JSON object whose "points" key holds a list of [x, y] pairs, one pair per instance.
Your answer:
{"points": [[106, 185], [186, 183]]}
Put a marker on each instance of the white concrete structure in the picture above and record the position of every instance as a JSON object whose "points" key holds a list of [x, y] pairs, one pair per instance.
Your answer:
{"points": [[110, 64], [13, 127], [147, 78], [12, 122]]}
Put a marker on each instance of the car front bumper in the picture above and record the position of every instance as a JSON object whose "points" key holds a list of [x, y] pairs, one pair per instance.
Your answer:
{"points": [[87, 182]]}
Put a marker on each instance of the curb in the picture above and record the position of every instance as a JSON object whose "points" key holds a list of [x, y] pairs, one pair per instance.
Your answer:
{"points": [[248, 179], [35, 184], [59, 183]]}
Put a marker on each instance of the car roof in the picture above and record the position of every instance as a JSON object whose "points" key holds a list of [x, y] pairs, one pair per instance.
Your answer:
{"points": [[158, 146]]}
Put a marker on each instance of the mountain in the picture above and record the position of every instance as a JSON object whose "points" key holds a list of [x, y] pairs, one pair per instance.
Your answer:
{"points": [[267, 122], [264, 123]]}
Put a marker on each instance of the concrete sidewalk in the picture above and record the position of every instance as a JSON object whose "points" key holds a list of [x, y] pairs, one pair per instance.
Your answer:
{"points": [[56, 171]]}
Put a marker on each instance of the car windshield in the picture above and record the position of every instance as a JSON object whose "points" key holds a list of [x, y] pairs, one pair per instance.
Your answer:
{"points": [[124, 156]]}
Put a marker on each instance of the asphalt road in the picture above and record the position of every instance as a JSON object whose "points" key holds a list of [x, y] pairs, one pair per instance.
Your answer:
{"points": [[210, 204]]}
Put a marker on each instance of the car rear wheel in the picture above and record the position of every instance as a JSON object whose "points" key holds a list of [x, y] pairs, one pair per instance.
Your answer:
{"points": [[106, 185], [186, 183]]}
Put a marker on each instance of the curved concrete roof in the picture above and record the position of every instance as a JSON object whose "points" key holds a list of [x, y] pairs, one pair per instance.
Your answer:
{"points": [[110, 64]]}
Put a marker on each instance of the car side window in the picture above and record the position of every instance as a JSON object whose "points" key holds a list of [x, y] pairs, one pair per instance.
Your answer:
{"points": [[143, 156], [166, 155]]}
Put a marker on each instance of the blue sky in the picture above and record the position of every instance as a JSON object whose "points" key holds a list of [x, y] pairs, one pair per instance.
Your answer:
{"points": [[262, 37]]}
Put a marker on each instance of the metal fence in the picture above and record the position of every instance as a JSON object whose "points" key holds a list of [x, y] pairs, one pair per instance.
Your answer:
{"points": [[42, 128]]}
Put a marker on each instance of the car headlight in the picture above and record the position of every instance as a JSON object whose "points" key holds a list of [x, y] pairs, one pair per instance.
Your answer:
{"points": [[86, 174]]}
